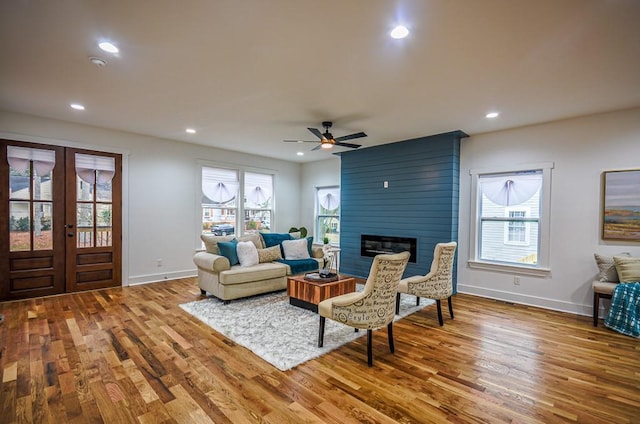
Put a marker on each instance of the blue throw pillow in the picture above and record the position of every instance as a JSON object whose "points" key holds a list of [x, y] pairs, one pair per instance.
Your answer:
{"points": [[274, 239], [310, 245], [229, 251]]}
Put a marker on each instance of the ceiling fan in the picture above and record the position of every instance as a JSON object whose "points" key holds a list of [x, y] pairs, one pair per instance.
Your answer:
{"points": [[326, 139]]}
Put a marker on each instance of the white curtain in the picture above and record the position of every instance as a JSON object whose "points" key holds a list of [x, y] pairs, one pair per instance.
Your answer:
{"points": [[219, 185], [329, 198], [92, 168], [510, 190], [43, 160], [258, 188]]}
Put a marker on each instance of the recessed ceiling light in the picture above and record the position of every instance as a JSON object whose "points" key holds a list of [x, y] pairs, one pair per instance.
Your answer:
{"points": [[76, 106], [492, 115], [300, 154], [190, 130], [108, 47], [398, 32]]}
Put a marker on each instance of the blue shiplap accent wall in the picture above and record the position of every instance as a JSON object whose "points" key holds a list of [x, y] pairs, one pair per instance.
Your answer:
{"points": [[421, 201]]}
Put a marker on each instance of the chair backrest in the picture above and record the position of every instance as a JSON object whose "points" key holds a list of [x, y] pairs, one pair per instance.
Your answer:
{"points": [[380, 289], [442, 265]]}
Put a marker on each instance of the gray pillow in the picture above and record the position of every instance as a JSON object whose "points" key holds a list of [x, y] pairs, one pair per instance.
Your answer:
{"points": [[607, 267]]}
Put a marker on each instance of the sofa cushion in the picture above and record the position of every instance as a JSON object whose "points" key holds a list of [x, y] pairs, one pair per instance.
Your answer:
{"points": [[607, 267], [241, 275], [603, 287], [228, 250], [254, 238], [211, 242], [296, 249], [269, 254], [274, 239], [628, 269], [247, 253]]}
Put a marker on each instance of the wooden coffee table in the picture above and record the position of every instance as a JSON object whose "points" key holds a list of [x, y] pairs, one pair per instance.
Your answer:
{"points": [[307, 294]]}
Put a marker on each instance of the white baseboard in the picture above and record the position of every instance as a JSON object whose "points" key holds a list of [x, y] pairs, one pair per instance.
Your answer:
{"points": [[540, 302], [154, 278]]}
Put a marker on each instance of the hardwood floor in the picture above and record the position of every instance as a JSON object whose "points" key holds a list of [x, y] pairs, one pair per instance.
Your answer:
{"points": [[132, 355]]}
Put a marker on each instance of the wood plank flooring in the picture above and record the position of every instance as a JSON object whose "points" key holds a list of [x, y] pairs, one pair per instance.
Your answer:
{"points": [[132, 355]]}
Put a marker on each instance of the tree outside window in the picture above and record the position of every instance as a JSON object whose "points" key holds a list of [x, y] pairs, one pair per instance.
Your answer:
{"points": [[328, 214]]}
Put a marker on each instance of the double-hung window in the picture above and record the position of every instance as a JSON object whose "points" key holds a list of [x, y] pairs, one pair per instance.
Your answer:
{"points": [[258, 200], [510, 219], [220, 188], [221, 210], [328, 214]]}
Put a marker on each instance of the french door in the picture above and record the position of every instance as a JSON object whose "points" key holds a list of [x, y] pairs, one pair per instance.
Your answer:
{"points": [[60, 220]]}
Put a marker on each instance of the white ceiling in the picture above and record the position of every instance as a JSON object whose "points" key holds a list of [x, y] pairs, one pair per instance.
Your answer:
{"points": [[248, 74]]}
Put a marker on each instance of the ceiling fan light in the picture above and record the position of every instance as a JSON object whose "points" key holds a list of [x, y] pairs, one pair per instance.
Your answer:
{"points": [[327, 145]]}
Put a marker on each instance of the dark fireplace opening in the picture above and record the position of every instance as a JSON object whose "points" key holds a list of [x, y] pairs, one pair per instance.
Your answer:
{"points": [[375, 245]]}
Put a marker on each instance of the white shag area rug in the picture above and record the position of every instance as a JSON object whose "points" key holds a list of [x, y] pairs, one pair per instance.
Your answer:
{"points": [[282, 334]]}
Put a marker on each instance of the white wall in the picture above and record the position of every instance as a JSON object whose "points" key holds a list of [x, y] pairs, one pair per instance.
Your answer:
{"points": [[581, 149], [316, 174], [160, 190]]}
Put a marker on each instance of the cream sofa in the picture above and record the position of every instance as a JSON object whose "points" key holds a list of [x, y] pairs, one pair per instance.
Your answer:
{"points": [[218, 277]]}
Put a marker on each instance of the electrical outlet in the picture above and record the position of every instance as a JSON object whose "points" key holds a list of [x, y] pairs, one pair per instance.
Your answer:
{"points": [[516, 281], [159, 262]]}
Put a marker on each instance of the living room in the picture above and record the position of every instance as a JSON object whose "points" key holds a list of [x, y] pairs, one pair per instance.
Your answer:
{"points": [[161, 200]]}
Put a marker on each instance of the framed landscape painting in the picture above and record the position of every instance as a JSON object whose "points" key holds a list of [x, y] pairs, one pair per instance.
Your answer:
{"points": [[621, 206]]}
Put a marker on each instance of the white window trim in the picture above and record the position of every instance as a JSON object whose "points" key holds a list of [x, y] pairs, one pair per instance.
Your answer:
{"points": [[542, 269]]}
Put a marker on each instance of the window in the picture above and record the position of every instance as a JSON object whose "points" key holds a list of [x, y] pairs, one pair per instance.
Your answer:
{"points": [[517, 232], [510, 222], [221, 189], [219, 200], [328, 214], [258, 194]]}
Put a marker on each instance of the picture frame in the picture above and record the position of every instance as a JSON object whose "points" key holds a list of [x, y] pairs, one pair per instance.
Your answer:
{"points": [[621, 205]]}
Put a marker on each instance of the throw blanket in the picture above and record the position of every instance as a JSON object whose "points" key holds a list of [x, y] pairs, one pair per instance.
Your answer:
{"points": [[624, 314], [300, 266]]}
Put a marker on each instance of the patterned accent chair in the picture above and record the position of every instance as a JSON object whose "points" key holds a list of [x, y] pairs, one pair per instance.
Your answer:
{"points": [[373, 307], [437, 284]]}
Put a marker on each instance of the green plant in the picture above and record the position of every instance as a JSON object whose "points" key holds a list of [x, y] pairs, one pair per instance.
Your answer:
{"points": [[326, 240], [303, 231]]}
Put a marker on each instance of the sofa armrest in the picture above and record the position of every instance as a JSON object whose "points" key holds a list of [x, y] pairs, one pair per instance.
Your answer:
{"points": [[211, 262]]}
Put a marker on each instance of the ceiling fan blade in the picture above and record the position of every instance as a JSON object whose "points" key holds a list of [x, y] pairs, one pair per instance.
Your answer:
{"points": [[351, 136], [316, 132], [300, 141], [353, 146], [318, 147]]}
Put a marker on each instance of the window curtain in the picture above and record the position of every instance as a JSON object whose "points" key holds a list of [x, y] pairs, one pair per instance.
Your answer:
{"points": [[258, 189], [329, 198], [510, 190], [219, 185], [92, 168], [19, 157]]}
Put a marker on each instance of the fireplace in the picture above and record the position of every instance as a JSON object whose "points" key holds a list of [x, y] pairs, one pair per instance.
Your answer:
{"points": [[375, 245]]}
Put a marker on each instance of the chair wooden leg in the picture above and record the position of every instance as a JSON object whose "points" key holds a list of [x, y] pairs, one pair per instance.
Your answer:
{"points": [[397, 303], [321, 332], [417, 300], [596, 308], [370, 348], [450, 307], [392, 347], [439, 312]]}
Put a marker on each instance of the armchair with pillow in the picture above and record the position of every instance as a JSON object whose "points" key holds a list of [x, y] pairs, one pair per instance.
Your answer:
{"points": [[231, 268]]}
